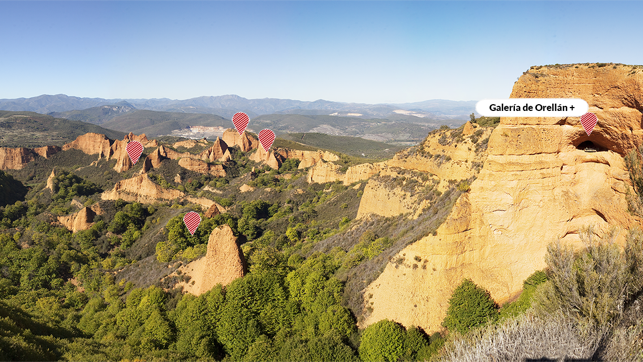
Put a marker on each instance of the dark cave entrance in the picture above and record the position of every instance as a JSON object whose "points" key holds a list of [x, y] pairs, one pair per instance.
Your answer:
{"points": [[589, 146]]}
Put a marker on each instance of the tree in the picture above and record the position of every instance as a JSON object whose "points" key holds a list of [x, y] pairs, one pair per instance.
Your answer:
{"points": [[470, 306], [382, 341]]}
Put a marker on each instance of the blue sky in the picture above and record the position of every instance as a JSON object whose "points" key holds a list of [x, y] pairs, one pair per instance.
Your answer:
{"points": [[368, 52]]}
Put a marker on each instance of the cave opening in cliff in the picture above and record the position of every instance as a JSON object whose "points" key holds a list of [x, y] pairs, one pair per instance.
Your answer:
{"points": [[589, 146]]}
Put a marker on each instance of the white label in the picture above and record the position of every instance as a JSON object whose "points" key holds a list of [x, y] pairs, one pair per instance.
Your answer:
{"points": [[532, 107]]}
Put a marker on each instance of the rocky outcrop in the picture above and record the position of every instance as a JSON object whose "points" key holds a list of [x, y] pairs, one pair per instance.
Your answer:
{"points": [[213, 211], [224, 260], [324, 172], [91, 144], [536, 186], [244, 141], [173, 155], [222, 264], [51, 186], [47, 151], [308, 158], [141, 189], [362, 172], [82, 220], [226, 156], [216, 152], [15, 158], [267, 158], [202, 167]]}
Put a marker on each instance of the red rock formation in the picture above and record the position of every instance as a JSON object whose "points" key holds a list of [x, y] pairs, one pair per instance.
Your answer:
{"points": [[216, 152], [82, 220], [245, 142], [224, 260], [269, 158]]}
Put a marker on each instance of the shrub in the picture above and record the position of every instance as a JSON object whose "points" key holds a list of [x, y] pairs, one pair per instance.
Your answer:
{"points": [[593, 286], [382, 341], [470, 306], [525, 337]]}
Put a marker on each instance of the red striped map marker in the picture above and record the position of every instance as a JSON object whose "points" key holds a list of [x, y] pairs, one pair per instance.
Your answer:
{"points": [[588, 120], [240, 121], [134, 150], [192, 221], [266, 137]]}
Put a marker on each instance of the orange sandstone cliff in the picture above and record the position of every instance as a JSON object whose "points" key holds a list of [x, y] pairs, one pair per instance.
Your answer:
{"points": [[535, 187]]}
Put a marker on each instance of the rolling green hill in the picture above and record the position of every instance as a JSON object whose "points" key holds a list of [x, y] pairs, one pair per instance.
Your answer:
{"points": [[29, 129]]}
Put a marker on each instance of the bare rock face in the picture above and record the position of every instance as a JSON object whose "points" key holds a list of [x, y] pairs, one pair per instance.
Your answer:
{"points": [[226, 156], [174, 155], [141, 189], [308, 158], [467, 129], [224, 260], [79, 221], [536, 186], [268, 158], [202, 167], [50, 181], [244, 142], [155, 158], [47, 151], [222, 264], [15, 158], [216, 152], [324, 172], [361, 172], [91, 144], [212, 211]]}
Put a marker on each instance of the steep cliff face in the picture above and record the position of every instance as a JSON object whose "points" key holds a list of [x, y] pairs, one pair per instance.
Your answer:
{"points": [[15, 158], [535, 187], [91, 144]]}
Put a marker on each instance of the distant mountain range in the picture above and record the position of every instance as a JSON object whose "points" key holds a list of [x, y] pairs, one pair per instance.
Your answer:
{"points": [[402, 124], [225, 106]]}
